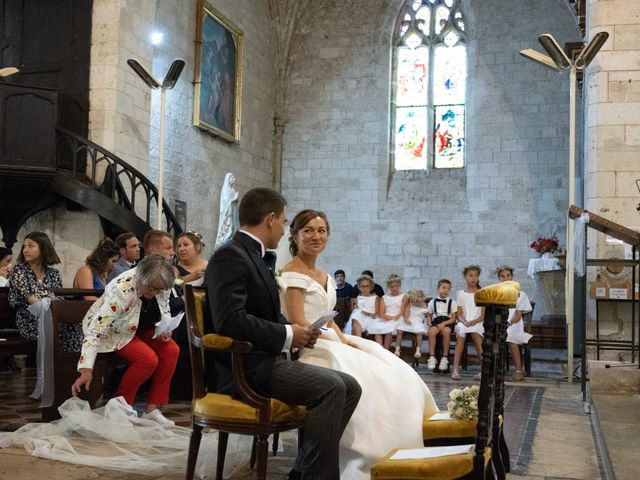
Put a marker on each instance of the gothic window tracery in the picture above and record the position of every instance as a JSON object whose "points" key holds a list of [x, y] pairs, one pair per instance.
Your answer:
{"points": [[429, 84]]}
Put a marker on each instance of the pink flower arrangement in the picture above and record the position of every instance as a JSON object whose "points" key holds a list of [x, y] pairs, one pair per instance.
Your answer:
{"points": [[546, 245]]}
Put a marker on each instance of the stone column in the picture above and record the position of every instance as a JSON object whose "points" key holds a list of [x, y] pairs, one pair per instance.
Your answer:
{"points": [[612, 122], [119, 116], [612, 141]]}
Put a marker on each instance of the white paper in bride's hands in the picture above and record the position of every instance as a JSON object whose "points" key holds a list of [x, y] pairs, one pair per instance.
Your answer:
{"points": [[430, 452], [168, 324], [323, 320], [440, 416]]}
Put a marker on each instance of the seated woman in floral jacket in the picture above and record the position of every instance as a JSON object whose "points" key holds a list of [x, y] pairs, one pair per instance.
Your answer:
{"points": [[123, 321]]}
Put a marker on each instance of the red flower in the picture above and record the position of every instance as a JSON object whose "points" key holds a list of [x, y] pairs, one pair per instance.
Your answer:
{"points": [[133, 328], [114, 308], [545, 244]]}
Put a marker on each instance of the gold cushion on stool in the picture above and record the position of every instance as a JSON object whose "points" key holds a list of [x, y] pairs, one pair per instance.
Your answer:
{"points": [[504, 294], [218, 406], [438, 468], [443, 429]]}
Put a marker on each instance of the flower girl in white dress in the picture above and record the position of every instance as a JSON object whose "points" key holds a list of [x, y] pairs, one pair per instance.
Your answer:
{"points": [[367, 305], [392, 305], [414, 321], [470, 318], [516, 335], [377, 425]]}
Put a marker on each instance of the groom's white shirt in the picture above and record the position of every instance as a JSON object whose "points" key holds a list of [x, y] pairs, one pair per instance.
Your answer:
{"points": [[289, 340]]}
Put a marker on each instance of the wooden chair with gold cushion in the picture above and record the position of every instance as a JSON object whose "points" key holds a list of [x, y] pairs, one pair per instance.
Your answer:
{"points": [[252, 414], [481, 461], [525, 350]]}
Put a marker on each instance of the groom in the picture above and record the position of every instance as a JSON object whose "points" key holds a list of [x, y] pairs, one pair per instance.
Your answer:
{"points": [[244, 304]]}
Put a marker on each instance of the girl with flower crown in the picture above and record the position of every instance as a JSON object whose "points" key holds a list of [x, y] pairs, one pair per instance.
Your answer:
{"points": [[414, 318], [470, 318], [366, 307], [516, 335], [392, 304]]}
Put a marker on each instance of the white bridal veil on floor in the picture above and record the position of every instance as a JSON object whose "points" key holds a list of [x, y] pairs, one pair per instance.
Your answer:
{"points": [[113, 437]]}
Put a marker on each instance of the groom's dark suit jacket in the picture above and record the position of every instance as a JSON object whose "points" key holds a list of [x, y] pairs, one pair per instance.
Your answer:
{"points": [[243, 304]]}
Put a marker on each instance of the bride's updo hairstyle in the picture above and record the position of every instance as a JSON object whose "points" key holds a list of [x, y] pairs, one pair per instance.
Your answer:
{"points": [[299, 222]]}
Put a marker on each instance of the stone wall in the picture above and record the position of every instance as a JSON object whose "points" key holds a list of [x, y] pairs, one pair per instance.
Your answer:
{"points": [[73, 234], [427, 225], [612, 163], [613, 113], [195, 161], [124, 114]]}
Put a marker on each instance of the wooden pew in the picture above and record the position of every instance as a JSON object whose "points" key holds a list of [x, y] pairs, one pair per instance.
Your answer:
{"points": [[11, 342], [70, 310]]}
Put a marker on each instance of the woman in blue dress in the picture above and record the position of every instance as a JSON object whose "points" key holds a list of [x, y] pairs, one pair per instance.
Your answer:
{"points": [[98, 265]]}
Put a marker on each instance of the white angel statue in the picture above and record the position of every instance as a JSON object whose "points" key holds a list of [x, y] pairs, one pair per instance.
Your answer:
{"points": [[228, 219]]}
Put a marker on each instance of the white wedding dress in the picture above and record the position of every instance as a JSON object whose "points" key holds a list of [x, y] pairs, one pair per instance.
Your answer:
{"points": [[394, 398]]}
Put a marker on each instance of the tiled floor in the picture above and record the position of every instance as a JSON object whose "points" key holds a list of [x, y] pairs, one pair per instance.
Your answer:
{"points": [[540, 415]]}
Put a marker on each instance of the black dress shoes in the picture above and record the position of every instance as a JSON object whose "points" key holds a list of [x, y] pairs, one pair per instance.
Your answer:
{"points": [[294, 475]]}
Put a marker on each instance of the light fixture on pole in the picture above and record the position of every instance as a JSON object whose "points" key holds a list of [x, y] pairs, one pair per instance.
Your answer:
{"points": [[6, 71], [168, 83], [559, 61]]}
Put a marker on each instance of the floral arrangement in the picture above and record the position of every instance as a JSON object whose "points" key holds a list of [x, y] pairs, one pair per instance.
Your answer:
{"points": [[546, 245], [278, 278], [464, 403]]}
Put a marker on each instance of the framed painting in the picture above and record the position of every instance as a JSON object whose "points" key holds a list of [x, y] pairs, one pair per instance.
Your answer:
{"points": [[218, 74]]}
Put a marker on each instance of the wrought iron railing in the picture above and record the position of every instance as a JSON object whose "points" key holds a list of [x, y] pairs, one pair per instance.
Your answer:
{"points": [[108, 174], [580, 9]]}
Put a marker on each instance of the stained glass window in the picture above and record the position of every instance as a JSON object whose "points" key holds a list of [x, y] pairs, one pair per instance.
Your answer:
{"points": [[430, 70]]}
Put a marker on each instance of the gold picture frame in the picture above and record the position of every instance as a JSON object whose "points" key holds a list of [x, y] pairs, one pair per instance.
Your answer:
{"points": [[218, 74]]}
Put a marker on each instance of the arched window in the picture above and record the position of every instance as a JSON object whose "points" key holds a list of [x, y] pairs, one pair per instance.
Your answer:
{"points": [[430, 69]]}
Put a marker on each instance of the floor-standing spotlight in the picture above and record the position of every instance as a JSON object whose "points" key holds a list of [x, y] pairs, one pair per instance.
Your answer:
{"points": [[558, 60], [168, 83]]}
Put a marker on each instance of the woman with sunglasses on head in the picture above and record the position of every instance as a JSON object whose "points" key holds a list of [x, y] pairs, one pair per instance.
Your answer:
{"points": [[123, 321], [190, 264]]}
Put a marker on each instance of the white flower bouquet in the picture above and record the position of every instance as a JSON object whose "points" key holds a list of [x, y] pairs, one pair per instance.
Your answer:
{"points": [[464, 403]]}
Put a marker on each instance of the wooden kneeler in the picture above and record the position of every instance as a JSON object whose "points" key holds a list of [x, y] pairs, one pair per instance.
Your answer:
{"points": [[487, 459]]}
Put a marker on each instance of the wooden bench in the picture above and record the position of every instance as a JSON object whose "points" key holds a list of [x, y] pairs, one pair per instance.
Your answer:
{"points": [[549, 332], [70, 309], [11, 342]]}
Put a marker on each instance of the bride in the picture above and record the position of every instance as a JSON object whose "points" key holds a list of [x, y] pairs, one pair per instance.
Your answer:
{"points": [[394, 398]]}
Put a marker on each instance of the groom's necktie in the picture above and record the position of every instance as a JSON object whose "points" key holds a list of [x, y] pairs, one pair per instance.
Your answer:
{"points": [[269, 260]]}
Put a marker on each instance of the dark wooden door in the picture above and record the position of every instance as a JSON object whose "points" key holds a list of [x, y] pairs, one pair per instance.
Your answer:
{"points": [[50, 42]]}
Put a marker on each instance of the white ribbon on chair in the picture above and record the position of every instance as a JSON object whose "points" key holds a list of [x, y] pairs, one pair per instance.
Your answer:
{"points": [[44, 388], [579, 248]]}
